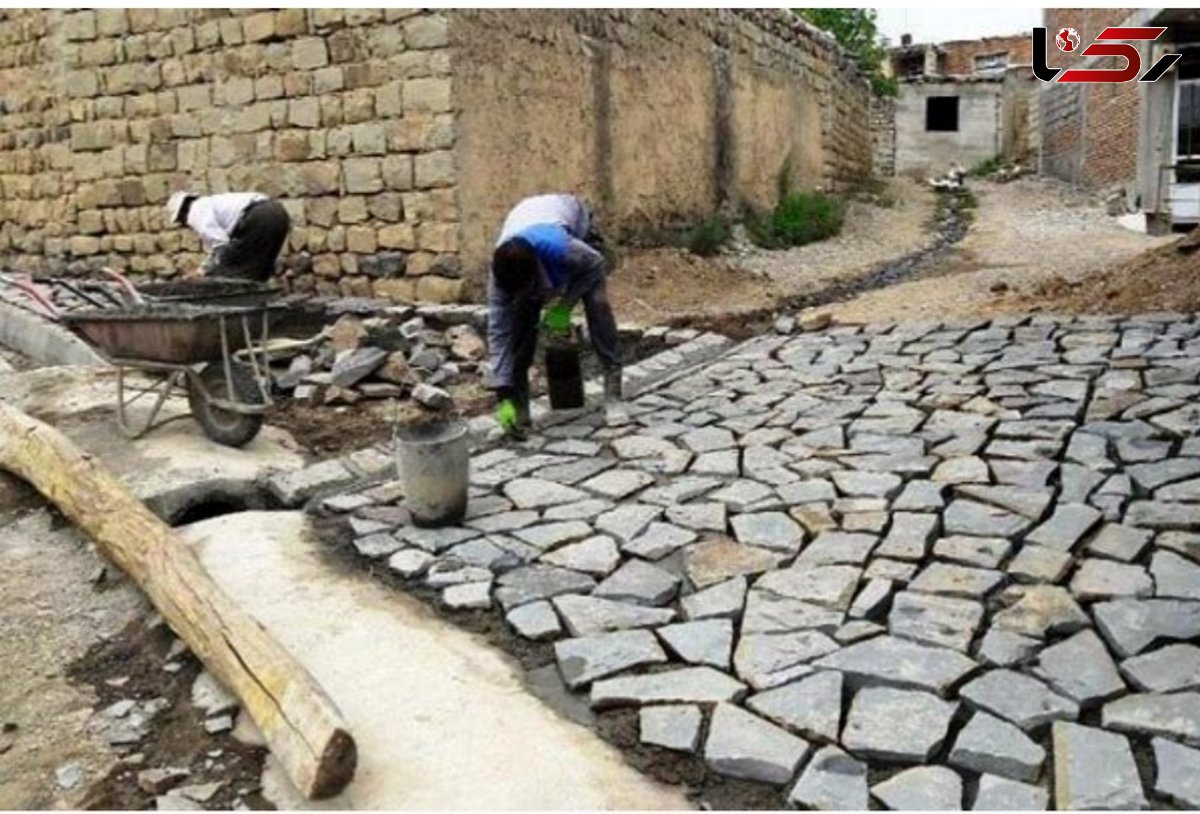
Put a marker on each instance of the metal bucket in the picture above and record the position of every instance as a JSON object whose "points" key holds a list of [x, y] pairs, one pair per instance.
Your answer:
{"points": [[434, 462]]}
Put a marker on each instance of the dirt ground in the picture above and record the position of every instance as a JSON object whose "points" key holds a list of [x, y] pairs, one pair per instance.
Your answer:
{"points": [[653, 286], [1026, 234]]}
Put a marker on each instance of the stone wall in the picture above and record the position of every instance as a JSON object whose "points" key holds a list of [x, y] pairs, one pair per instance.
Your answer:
{"points": [[883, 136], [397, 138], [657, 117], [1089, 132]]}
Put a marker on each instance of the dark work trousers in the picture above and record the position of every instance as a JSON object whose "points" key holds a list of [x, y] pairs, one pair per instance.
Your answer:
{"points": [[254, 246]]}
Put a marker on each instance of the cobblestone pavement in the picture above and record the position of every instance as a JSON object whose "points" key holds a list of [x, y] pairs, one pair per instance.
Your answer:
{"points": [[940, 566]]}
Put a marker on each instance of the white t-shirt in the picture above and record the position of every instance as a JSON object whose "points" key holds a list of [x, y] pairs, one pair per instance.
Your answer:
{"points": [[562, 210], [213, 217]]}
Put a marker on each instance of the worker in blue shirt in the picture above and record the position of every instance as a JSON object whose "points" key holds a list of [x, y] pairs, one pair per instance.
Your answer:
{"points": [[543, 264]]}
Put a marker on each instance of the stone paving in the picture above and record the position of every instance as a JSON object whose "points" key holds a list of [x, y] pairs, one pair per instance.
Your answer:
{"points": [[923, 566]]}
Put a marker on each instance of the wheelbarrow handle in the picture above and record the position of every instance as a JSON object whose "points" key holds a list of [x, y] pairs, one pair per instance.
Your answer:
{"points": [[128, 287], [46, 306]]}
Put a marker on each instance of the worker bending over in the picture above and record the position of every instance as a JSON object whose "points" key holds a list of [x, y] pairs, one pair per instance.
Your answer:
{"points": [[243, 232], [545, 261]]}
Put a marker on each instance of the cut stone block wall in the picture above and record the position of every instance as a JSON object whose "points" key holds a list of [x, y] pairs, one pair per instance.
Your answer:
{"points": [[397, 138]]}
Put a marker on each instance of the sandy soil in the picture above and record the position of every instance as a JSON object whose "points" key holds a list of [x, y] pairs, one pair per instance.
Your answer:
{"points": [[1025, 233]]}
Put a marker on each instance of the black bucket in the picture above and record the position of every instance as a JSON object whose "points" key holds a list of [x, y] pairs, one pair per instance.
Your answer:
{"points": [[564, 376]]}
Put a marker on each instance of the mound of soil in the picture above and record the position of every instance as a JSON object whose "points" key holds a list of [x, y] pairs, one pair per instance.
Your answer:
{"points": [[1166, 278]]}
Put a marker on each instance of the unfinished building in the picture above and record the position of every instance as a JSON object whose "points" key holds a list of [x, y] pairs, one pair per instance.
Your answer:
{"points": [[396, 138]]}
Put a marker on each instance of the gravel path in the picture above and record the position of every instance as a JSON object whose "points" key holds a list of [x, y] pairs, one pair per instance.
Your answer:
{"points": [[1025, 232]]}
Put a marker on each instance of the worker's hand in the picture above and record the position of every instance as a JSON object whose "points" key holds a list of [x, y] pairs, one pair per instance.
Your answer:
{"points": [[506, 416], [556, 318], [193, 274]]}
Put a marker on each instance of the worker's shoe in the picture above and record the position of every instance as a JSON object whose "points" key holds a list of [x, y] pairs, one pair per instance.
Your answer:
{"points": [[613, 390]]}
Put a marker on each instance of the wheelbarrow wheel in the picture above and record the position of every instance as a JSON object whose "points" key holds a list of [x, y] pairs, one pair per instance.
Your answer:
{"points": [[225, 426]]}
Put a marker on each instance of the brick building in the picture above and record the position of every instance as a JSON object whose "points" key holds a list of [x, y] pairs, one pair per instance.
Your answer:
{"points": [[1141, 139], [398, 138]]}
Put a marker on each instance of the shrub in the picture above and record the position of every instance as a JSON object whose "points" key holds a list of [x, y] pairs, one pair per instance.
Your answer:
{"points": [[708, 236], [987, 167], [798, 218]]}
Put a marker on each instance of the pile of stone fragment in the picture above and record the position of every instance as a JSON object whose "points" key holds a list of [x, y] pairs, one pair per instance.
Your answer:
{"points": [[394, 354]]}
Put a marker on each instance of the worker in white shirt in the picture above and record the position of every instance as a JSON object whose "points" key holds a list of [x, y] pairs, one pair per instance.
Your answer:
{"points": [[243, 232]]}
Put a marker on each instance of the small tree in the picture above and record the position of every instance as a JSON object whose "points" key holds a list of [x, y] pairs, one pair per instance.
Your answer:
{"points": [[855, 30]]}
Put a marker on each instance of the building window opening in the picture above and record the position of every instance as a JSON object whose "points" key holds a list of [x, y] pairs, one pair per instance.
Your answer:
{"points": [[941, 114], [991, 63]]}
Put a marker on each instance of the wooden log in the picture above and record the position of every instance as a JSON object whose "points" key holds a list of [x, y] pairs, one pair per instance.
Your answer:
{"points": [[299, 721]]}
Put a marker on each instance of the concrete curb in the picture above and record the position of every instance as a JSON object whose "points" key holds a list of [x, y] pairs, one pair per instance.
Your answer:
{"points": [[44, 341]]}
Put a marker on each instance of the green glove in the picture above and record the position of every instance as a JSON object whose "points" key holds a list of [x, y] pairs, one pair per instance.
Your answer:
{"points": [[506, 415], [556, 318]]}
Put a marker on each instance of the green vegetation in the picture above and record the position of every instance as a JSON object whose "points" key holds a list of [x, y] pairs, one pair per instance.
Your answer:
{"points": [[798, 218], [855, 30], [708, 236], [987, 167]]}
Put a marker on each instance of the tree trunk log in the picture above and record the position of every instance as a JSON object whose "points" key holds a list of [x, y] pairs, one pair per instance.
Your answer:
{"points": [[299, 721]]}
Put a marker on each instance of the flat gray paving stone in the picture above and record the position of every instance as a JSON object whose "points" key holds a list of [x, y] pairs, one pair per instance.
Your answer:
{"points": [[900, 726], [1175, 716], [569, 474], [533, 582], [377, 545], [894, 662], [687, 685], [1181, 542], [1094, 770], [866, 484], [724, 600], [1151, 476], [956, 580], [982, 520], [940, 620], [583, 660], [1187, 491], [741, 495], [535, 493], [1026, 474], [873, 599], [535, 621], [837, 547], [658, 540], [486, 553], [1038, 563], [699, 516], [1016, 697], [1081, 669], [962, 469], [627, 522], [920, 495], [712, 561], [772, 530], [1001, 794], [767, 612], [724, 463], [1131, 625], [1177, 775], [1029, 503], [1000, 648], [580, 510], [1174, 576], [810, 707], [981, 552], [1167, 669], [909, 537], [831, 586], [743, 745], [708, 641], [1104, 579], [894, 570], [446, 572], [813, 490], [468, 596], [547, 536], [590, 615], [679, 490], [410, 562], [617, 484], [503, 521], [831, 781], [675, 726], [708, 439], [640, 582], [1184, 421], [1066, 527], [990, 745], [1164, 516], [921, 788], [769, 660], [1040, 611], [598, 555]]}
